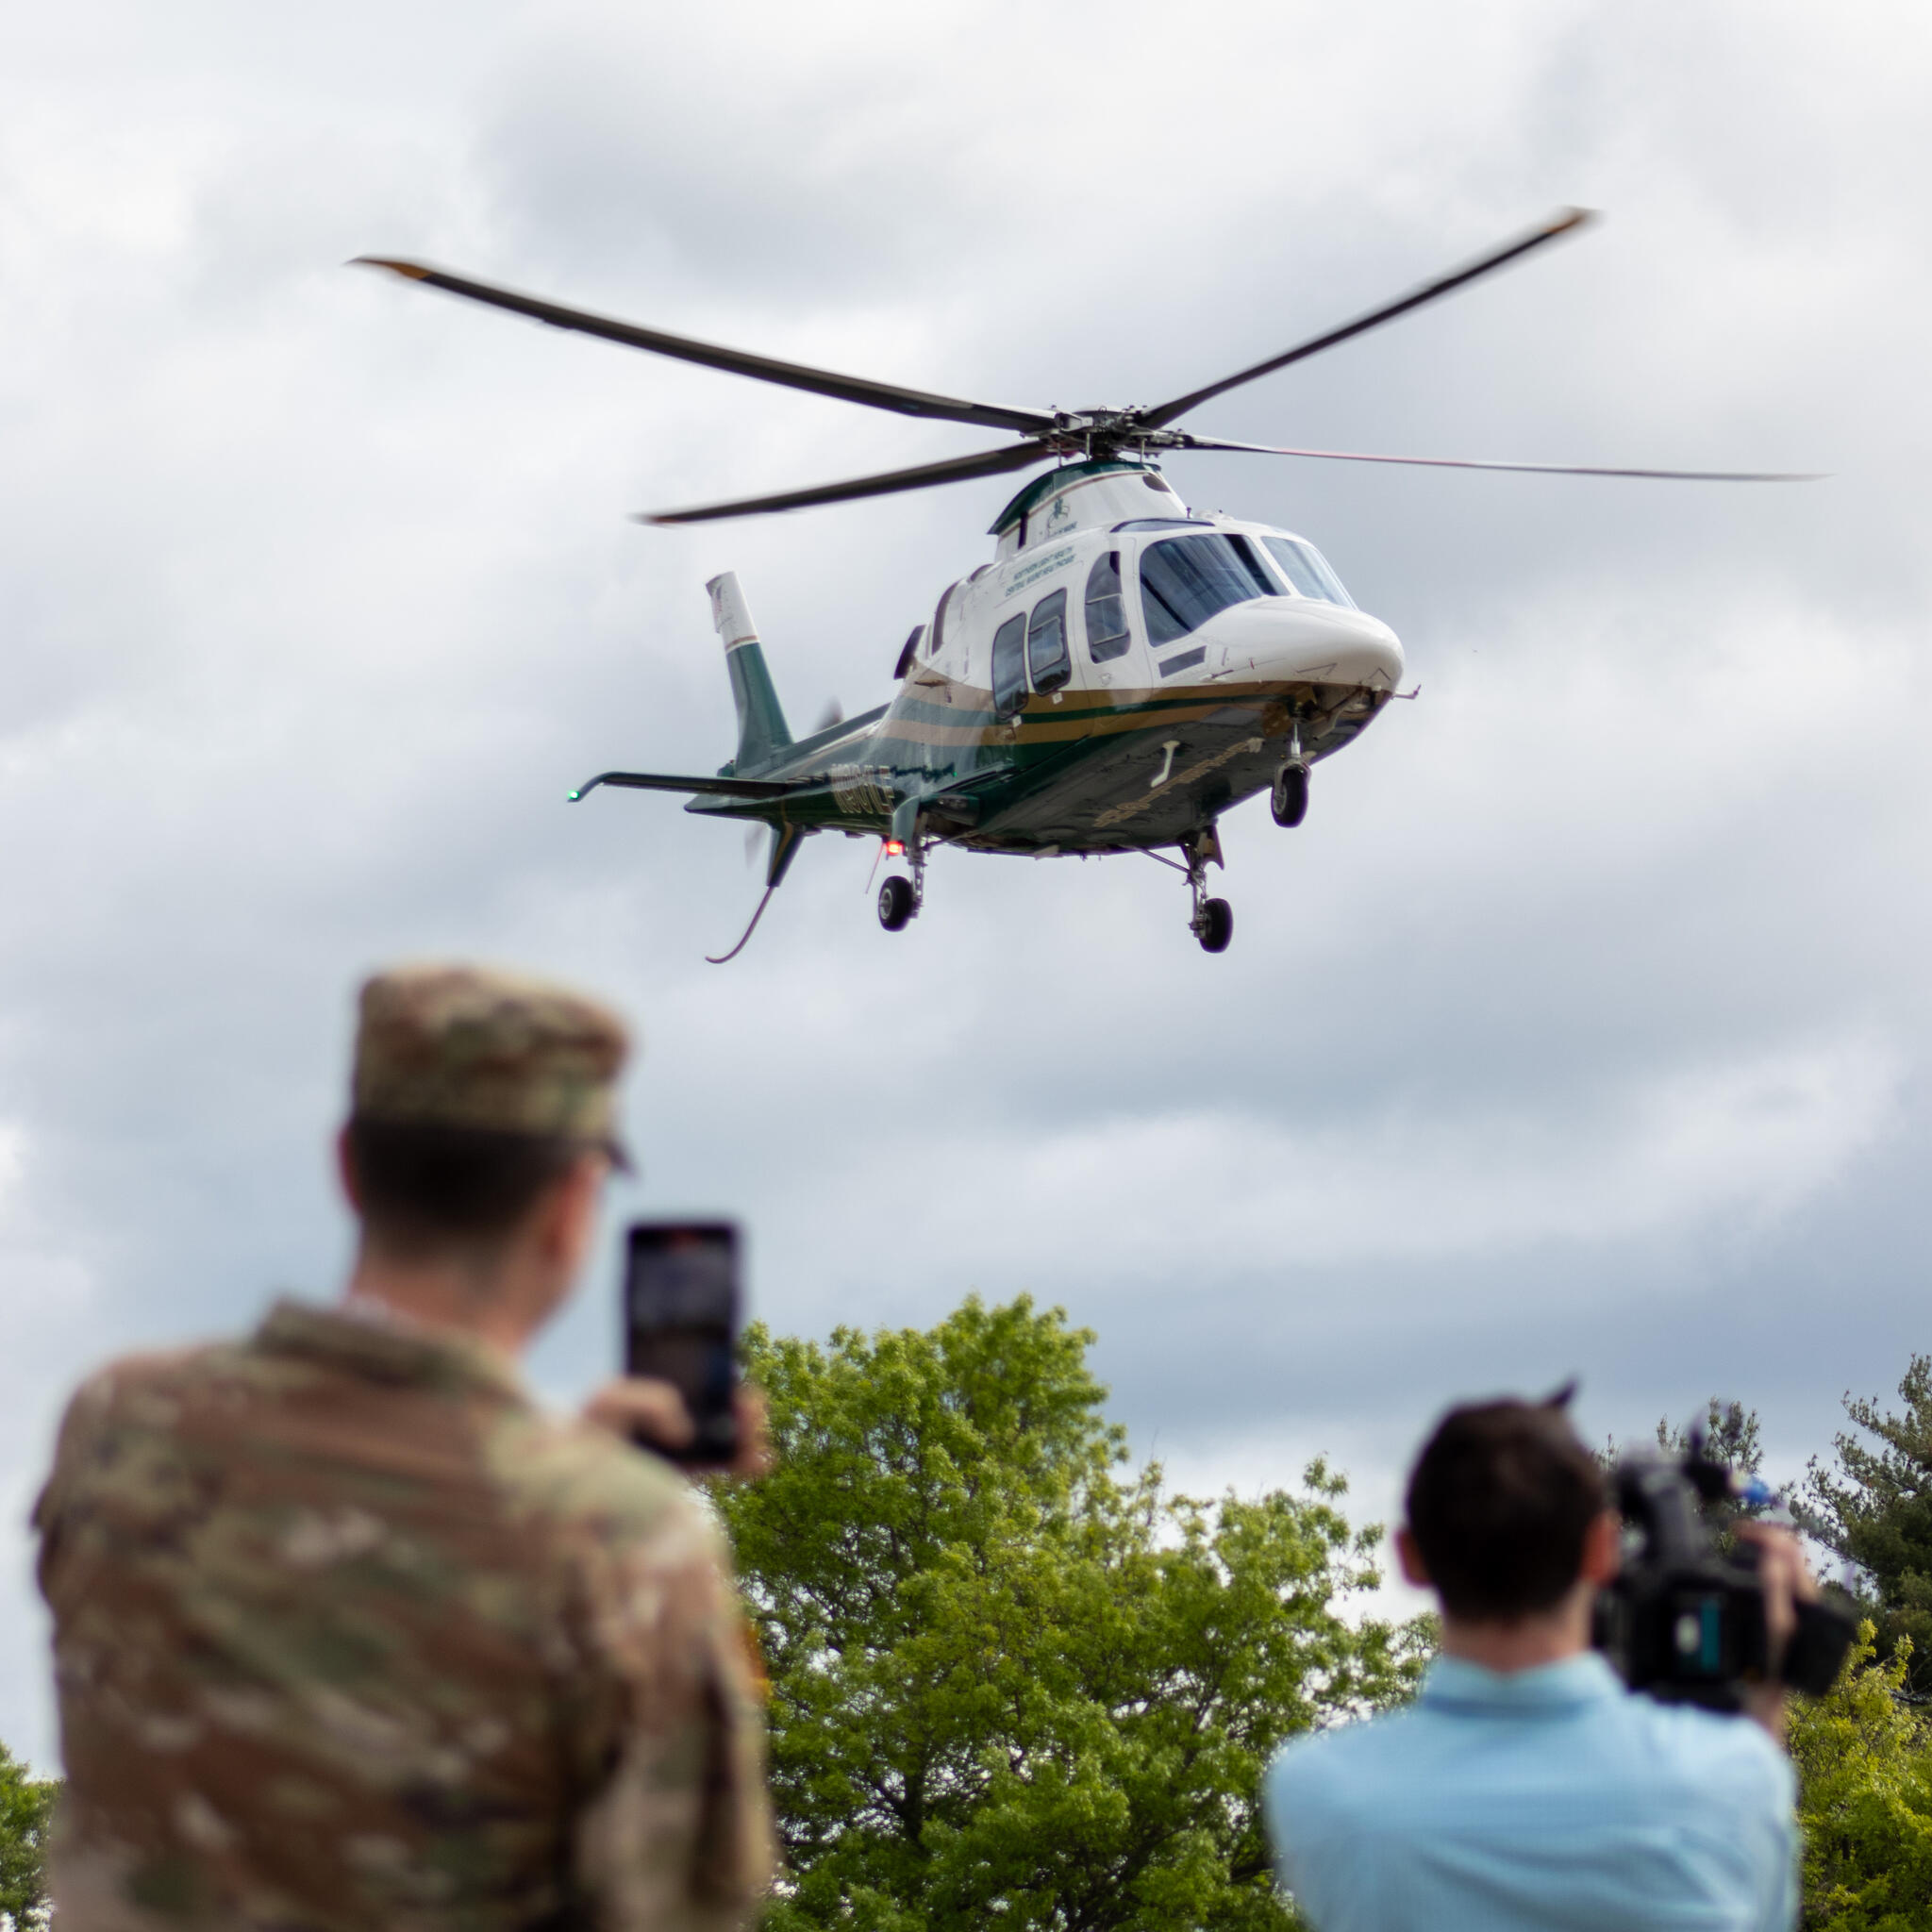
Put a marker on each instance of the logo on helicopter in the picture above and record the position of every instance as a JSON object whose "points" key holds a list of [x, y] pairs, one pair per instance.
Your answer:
{"points": [[1024, 576]]}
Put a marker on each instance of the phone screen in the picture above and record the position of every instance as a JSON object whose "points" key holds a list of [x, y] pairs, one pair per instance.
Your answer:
{"points": [[680, 1315]]}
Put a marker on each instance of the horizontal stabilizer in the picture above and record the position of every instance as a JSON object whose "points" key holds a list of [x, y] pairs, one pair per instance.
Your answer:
{"points": [[660, 781]]}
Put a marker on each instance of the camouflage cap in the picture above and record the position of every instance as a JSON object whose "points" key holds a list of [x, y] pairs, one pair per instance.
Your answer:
{"points": [[468, 1046]]}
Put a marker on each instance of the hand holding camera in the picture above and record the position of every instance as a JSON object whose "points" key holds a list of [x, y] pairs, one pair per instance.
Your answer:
{"points": [[1687, 1623]]}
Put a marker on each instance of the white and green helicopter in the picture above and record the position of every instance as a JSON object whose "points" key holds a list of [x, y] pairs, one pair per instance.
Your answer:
{"points": [[1122, 673]]}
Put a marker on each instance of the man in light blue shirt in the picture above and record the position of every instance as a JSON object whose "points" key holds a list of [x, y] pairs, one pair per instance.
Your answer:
{"points": [[1527, 1788]]}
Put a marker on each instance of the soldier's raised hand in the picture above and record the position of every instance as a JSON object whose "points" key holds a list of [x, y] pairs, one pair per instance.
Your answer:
{"points": [[646, 1411]]}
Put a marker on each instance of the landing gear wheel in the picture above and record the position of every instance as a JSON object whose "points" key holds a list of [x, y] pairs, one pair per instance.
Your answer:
{"points": [[897, 904], [1289, 801], [1211, 921]]}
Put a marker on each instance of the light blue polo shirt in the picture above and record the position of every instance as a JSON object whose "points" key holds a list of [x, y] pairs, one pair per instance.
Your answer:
{"points": [[1550, 1799]]}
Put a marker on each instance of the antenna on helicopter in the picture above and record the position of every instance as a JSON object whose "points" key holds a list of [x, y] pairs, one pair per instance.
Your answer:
{"points": [[1045, 434]]}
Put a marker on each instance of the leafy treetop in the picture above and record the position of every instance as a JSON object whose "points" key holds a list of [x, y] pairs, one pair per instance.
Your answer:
{"points": [[1864, 1761], [1876, 1511], [26, 1809], [1010, 1678]]}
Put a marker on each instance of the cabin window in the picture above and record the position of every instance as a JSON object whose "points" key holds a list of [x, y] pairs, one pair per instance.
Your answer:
{"points": [[1307, 569], [1107, 610], [909, 651], [1010, 666], [1186, 580], [1046, 643]]}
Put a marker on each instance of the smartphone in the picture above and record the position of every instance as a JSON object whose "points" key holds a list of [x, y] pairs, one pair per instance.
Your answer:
{"points": [[681, 1303]]}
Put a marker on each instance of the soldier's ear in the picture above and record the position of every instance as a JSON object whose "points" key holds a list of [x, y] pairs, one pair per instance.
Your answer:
{"points": [[345, 1172], [567, 1211]]}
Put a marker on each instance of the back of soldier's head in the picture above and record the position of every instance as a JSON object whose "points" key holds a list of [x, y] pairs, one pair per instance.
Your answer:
{"points": [[473, 1091], [1499, 1504]]}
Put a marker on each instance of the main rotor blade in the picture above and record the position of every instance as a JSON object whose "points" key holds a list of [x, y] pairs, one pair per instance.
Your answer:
{"points": [[1355, 456], [1561, 225], [955, 470], [850, 389]]}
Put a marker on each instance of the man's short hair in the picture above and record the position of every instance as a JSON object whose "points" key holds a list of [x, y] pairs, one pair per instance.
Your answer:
{"points": [[424, 1187], [1499, 1502]]}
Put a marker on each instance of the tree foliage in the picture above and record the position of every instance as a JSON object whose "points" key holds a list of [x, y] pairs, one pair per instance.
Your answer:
{"points": [[1864, 1759], [1729, 1434], [1012, 1680], [1728, 1431], [1876, 1511], [26, 1808]]}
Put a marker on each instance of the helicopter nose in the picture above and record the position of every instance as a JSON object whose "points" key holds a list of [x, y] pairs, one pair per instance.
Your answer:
{"points": [[1301, 638]]}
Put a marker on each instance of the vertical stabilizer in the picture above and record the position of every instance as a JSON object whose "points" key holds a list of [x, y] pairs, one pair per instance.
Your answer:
{"points": [[762, 733]]}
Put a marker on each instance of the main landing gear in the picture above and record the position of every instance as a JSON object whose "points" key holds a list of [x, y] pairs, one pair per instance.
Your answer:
{"points": [[900, 899], [1212, 920]]}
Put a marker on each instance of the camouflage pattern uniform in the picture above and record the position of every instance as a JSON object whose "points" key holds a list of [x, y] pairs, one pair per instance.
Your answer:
{"points": [[348, 1634]]}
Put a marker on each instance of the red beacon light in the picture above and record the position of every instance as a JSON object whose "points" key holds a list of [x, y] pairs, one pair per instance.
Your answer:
{"points": [[895, 848]]}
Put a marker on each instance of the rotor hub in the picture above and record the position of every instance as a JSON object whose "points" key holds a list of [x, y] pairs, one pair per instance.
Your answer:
{"points": [[1107, 432]]}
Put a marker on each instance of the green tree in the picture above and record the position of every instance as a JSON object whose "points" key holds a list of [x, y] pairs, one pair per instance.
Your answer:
{"points": [[1010, 1678], [1864, 1760], [1729, 1431], [1876, 1511], [1729, 1435], [27, 1807]]}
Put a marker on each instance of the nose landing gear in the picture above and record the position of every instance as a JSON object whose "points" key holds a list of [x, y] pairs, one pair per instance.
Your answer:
{"points": [[1289, 800]]}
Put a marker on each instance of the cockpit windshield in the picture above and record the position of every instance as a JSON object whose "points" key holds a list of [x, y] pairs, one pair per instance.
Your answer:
{"points": [[1184, 580], [1307, 569]]}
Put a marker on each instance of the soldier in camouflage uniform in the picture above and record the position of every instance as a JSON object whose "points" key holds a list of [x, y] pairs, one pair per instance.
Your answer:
{"points": [[347, 1633]]}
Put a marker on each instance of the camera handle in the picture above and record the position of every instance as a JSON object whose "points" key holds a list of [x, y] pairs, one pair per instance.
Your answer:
{"points": [[1655, 1497]]}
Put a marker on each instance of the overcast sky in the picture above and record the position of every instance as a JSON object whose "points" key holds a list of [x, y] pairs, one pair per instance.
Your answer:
{"points": [[1583, 1028]]}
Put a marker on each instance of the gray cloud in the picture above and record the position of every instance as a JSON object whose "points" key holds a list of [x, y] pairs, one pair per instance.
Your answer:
{"points": [[1580, 1028]]}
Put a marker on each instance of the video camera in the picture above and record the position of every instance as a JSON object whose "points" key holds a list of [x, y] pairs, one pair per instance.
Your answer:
{"points": [[1683, 1621]]}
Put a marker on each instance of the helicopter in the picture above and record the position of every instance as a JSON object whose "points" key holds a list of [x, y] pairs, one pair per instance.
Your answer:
{"points": [[1121, 673]]}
